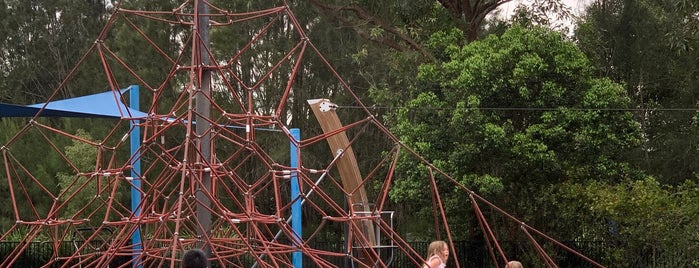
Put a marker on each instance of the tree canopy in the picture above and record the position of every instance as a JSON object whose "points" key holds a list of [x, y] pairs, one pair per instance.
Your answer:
{"points": [[514, 113], [651, 48]]}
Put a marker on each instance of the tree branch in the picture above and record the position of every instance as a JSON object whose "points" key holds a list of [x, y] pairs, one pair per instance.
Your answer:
{"points": [[363, 15], [471, 13]]}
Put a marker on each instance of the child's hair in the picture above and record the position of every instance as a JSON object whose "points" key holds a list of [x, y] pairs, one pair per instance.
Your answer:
{"points": [[435, 248], [195, 258], [514, 264]]}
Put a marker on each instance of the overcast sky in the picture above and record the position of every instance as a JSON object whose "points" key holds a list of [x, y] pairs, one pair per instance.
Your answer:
{"points": [[576, 6]]}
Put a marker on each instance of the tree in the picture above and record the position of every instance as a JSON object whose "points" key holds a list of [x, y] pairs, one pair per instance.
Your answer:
{"points": [[398, 31], [651, 47], [513, 114], [43, 41], [471, 15], [372, 21], [83, 193], [650, 220]]}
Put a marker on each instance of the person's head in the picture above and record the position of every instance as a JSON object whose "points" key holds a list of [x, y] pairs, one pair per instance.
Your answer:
{"points": [[438, 248], [195, 258], [514, 264]]}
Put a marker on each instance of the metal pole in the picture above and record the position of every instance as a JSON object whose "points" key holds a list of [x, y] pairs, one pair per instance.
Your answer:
{"points": [[296, 256], [305, 196], [135, 140], [203, 109]]}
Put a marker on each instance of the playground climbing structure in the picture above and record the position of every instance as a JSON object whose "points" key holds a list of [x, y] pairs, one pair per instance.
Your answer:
{"points": [[208, 173]]}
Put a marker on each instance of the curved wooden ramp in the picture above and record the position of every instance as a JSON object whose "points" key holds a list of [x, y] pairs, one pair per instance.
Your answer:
{"points": [[324, 111]]}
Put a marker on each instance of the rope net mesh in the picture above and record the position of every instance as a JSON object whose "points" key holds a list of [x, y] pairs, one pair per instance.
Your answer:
{"points": [[224, 159]]}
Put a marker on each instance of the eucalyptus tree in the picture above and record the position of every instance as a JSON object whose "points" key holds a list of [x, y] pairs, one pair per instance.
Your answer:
{"points": [[42, 41], [652, 48], [470, 16]]}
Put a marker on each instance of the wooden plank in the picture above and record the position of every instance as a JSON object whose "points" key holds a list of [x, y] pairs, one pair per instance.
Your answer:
{"points": [[324, 110]]}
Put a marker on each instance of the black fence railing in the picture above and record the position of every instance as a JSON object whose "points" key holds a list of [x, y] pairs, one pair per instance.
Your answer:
{"points": [[468, 254], [38, 254]]}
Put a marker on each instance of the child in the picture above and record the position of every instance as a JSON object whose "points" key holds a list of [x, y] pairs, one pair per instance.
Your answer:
{"points": [[437, 255], [195, 258], [514, 264]]}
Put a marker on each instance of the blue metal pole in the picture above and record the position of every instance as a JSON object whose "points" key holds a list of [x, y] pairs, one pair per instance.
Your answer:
{"points": [[296, 256], [135, 174]]}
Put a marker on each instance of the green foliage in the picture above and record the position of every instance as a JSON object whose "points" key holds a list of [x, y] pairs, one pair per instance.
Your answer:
{"points": [[76, 189], [651, 48], [644, 219], [650, 217], [446, 42], [515, 113], [41, 42], [82, 192]]}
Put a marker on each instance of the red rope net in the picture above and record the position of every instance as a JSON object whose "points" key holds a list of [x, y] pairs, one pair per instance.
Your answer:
{"points": [[203, 157]]}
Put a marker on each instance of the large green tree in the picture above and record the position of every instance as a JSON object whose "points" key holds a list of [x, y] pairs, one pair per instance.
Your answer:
{"points": [[512, 115]]}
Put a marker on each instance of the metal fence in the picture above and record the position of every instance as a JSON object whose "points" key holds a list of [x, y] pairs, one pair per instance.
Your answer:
{"points": [[472, 254], [38, 254], [468, 253]]}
